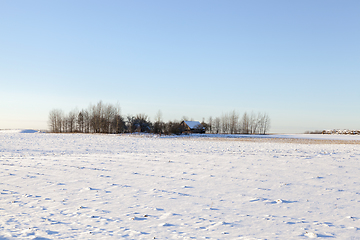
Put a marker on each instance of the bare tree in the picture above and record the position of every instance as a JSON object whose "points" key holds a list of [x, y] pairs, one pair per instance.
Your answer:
{"points": [[71, 121], [253, 123], [55, 120], [266, 123], [80, 121], [107, 116], [210, 124], [95, 116], [64, 124], [118, 124], [159, 125], [118, 119], [184, 118], [217, 125], [87, 120], [261, 123], [245, 124], [233, 122], [225, 123]]}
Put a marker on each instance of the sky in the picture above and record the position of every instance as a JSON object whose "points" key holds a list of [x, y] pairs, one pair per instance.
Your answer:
{"points": [[297, 61]]}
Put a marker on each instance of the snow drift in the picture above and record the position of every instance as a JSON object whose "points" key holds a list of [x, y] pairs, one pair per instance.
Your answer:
{"points": [[59, 186]]}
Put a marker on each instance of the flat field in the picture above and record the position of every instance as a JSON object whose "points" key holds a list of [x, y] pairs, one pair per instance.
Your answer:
{"points": [[88, 186]]}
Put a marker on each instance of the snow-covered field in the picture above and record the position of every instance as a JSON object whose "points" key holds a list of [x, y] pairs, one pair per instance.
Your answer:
{"points": [[87, 186]]}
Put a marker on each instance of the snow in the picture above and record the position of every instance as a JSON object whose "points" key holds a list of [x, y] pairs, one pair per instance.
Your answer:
{"points": [[286, 136], [90, 186], [193, 124], [28, 131], [19, 131]]}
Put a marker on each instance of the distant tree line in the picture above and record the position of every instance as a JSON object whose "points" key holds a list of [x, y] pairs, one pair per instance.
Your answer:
{"points": [[336, 131], [232, 123], [106, 118], [99, 118]]}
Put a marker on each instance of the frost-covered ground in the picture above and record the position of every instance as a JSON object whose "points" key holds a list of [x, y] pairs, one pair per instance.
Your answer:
{"points": [[285, 136], [87, 186]]}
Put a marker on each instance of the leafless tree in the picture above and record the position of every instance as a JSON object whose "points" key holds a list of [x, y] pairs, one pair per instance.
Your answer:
{"points": [[210, 124], [71, 121], [217, 125], [185, 118], [159, 125], [265, 123], [80, 121], [245, 124], [118, 124], [253, 123], [233, 122], [87, 120], [225, 123], [55, 120], [107, 116], [64, 124]]}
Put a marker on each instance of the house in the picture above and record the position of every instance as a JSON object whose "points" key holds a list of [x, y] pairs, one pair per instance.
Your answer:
{"points": [[192, 127]]}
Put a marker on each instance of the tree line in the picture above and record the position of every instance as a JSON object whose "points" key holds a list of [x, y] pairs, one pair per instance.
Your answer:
{"points": [[232, 123], [106, 118]]}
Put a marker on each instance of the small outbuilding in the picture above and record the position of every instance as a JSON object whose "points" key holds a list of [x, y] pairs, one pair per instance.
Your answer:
{"points": [[192, 127]]}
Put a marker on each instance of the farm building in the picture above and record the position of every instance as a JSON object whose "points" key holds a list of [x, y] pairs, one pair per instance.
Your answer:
{"points": [[192, 127]]}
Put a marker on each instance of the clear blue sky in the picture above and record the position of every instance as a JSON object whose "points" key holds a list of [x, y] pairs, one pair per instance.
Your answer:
{"points": [[299, 61]]}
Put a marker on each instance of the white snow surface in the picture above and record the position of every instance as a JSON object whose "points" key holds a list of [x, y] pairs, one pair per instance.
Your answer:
{"points": [[89, 186], [193, 124], [285, 136]]}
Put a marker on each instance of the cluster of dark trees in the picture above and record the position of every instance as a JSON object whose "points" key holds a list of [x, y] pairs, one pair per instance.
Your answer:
{"points": [[106, 118], [100, 118], [336, 131]]}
